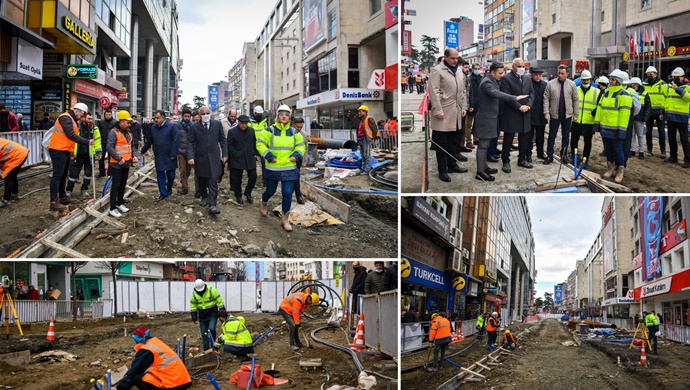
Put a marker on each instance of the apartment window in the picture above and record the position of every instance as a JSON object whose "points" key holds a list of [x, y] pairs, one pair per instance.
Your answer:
{"points": [[294, 83], [353, 67], [294, 66], [603, 15], [287, 71], [646, 4], [332, 25], [287, 86], [553, 18], [374, 6]]}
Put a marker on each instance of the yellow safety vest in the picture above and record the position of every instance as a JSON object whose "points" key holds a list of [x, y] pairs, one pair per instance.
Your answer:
{"points": [[588, 102]]}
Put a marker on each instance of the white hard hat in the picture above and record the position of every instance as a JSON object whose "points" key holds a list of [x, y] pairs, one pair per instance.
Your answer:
{"points": [[585, 75], [284, 107], [199, 285], [494, 314], [258, 110], [603, 80], [81, 106], [651, 69], [678, 72], [619, 74], [636, 80]]}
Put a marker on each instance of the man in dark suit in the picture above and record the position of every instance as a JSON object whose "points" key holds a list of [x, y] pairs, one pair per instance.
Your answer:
{"points": [[538, 122], [203, 152], [515, 117], [165, 138], [243, 157]]}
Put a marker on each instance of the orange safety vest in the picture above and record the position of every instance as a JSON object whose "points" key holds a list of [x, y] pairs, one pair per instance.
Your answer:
{"points": [[122, 147], [369, 131], [167, 370], [11, 155], [294, 304], [403, 80], [419, 79], [509, 338], [492, 325], [440, 328], [393, 128], [59, 140]]}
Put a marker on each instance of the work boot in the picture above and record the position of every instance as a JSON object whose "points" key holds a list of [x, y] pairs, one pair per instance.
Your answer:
{"points": [[57, 206], [84, 194], [619, 175], [294, 348], [239, 199], [204, 202], [68, 193], [263, 208], [250, 200], [285, 221], [67, 200], [611, 170], [14, 197], [640, 156]]}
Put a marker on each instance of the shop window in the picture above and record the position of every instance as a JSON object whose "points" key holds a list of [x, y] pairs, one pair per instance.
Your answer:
{"points": [[667, 265], [353, 67], [332, 24]]}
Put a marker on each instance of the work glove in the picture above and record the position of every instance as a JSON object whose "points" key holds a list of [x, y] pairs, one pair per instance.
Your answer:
{"points": [[431, 344], [98, 157], [298, 326], [216, 351]]}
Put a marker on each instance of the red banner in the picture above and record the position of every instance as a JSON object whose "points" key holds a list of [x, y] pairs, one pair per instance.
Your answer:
{"points": [[391, 77], [637, 261], [391, 10], [675, 235], [407, 42]]}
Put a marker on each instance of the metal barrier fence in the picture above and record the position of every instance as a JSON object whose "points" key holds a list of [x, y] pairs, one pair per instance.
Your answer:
{"points": [[414, 335], [32, 140], [41, 311], [173, 296], [677, 333], [380, 311], [387, 141]]}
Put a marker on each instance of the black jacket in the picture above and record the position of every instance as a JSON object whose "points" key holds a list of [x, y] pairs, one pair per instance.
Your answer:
{"points": [[135, 129], [512, 120], [46, 124], [207, 148], [537, 111], [242, 148], [358, 281], [183, 127], [390, 278], [474, 90]]}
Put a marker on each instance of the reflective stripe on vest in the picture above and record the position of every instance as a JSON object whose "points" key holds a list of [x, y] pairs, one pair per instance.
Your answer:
{"points": [[297, 297], [587, 105], [59, 140], [161, 354], [4, 155], [122, 147], [203, 301], [657, 94], [368, 129]]}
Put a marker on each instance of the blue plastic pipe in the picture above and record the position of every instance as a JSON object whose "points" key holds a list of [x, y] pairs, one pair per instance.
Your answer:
{"points": [[178, 347], [579, 171], [453, 363], [184, 347], [106, 185], [110, 380], [251, 374], [575, 163], [264, 335], [213, 381]]}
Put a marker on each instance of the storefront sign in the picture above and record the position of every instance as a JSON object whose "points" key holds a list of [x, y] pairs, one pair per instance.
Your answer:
{"points": [[391, 9], [673, 237], [47, 89], [474, 288], [413, 271], [377, 79], [70, 25], [212, 97], [104, 102], [608, 248], [417, 247], [491, 275], [360, 94], [68, 95], [407, 42], [95, 90], [82, 71], [673, 283], [557, 293], [26, 59], [421, 210], [651, 208], [459, 283], [313, 22], [46, 106], [451, 34], [618, 301], [142, 269], [51, 70], [659, 287]]}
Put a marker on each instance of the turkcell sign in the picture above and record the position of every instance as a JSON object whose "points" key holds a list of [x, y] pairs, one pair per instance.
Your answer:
{"points": [[451, 34], [424, 275]]}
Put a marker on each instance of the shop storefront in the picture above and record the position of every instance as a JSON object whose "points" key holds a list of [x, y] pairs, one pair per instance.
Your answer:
{"points": [[428, 289], [41, 275], [94, 95], [669, 295], [337, 109]]}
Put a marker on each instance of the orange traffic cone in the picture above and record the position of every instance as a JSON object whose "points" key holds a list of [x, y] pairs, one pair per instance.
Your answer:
{"points": [[358, 345], [462, 336], [643, 356], [51, 330], [345, 316]]}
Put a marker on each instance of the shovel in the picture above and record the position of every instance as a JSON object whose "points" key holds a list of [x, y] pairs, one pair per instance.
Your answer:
{"points": [[272, 372]]}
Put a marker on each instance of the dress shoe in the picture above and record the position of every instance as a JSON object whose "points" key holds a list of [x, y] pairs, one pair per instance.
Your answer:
{"points": [[529, 159], [686, 164], [566, 160], [57, 206], [525, 164], [548, 161], [300, 199], [184, 191], [671, 160], [491, 171], [204, 202], [66, 200], [100, 175], [492, 159], [506, 167], [250, 200], [499, 151], [663, 155], [239, 199], [631, 153], [640, 156], [542, 156], [457, 169], [460, 157], [470, 145], [464, 149], [444, 177], [484, 176], [214, 210], [197, 194], [159, 199], [14, 197]]}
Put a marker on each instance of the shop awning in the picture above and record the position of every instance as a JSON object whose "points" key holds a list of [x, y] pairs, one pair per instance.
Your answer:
{"points": [[340, 96], [69, 34], [669, 284], [15, 30]]}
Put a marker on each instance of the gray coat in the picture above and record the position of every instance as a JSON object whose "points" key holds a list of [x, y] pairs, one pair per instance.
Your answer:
{"points": [[448, 96], [512, 120], [553, 94], [202, 147], [486, 120]]}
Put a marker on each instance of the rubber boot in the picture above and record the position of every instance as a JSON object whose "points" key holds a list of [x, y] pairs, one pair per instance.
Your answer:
{"points": [[619, 175], [611, 170], [285, 221], [263, 208]]}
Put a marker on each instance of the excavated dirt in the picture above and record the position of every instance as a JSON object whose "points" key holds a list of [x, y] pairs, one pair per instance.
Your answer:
{"points": [[544, 363], [104, 342], [179, 227]]}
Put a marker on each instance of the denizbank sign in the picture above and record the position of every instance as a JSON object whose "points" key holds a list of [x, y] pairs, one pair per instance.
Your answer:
{"points": [[360, 94]]}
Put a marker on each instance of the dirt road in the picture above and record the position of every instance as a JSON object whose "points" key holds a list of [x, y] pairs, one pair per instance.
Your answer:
{"points": [[544, 363], [179, 227], [101, 345]]}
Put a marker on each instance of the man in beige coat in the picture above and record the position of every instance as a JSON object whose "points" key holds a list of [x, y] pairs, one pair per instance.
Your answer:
{"points": [[448, 99], [560, 108]]}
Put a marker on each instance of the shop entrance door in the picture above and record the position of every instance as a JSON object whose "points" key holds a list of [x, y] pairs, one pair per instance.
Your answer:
{"points": [[677, 314]]}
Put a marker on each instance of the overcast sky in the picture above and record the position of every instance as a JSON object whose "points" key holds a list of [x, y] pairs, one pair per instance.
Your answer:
{"points": [[432, 13], [211, 34], [564, 229]]}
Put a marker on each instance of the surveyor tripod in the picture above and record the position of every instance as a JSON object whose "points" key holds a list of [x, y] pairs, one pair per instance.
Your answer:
{"points": [[7, 303]]}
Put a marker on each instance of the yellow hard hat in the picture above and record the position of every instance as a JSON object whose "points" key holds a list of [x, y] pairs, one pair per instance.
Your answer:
{"points": [[434, 315], [363, 108], [507, 330], [314, 298], [123, 115]]}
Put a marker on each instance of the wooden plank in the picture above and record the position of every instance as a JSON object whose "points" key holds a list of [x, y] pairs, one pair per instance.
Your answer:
{"points": [[63, 249], [124, 238], [614, 186], [105, 218], [473, 373], [332, 205], [16, 358], [312, 362], [562, 184], [139, 172], [483, 366], [135, 190]]}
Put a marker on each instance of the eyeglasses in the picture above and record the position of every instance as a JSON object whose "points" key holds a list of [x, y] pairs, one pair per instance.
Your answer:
{"points": [[284, 114]]}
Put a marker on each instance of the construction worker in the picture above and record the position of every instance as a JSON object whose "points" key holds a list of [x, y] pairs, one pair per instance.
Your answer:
{"points": [[636, 108], [281, 146], [291, 309], [676, 114], [439, 338], [84, 157], [12, 157], [657, 91], [481, 325], [640, 118], [155, 366], [236, 338], [492, 327], [119, 148], [205, 305], [583, 125], [612, 119], [652, 323], [509, 340], [367, 133], [65, 134]]}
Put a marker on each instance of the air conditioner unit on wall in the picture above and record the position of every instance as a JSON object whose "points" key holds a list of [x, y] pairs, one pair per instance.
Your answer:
{"points": [[455, 261], [456, 237]]}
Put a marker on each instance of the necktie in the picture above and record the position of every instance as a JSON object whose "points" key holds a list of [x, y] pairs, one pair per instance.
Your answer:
{"points": [[206, 126]]}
